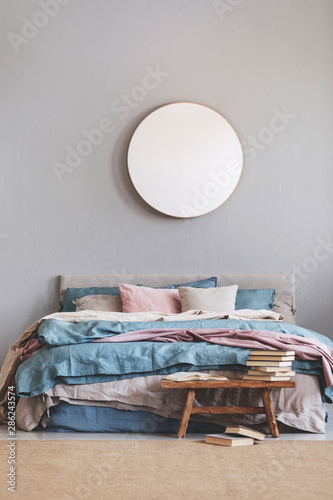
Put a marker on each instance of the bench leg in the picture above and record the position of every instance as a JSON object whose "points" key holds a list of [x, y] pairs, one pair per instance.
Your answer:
{"points": [[270, 413], [186, 413]]}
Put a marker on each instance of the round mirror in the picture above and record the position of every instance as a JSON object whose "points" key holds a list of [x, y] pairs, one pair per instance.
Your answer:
{"points": [[185, 159]]}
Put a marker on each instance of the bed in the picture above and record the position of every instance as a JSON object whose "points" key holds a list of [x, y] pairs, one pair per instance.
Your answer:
{"points": [[96, 370]]}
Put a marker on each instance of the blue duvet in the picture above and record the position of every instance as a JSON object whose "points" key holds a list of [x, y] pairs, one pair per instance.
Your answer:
{"points": [[70, 358], [68, 418]]}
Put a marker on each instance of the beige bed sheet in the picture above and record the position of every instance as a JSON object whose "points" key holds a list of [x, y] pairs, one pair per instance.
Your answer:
{"points": [[300, 408]]}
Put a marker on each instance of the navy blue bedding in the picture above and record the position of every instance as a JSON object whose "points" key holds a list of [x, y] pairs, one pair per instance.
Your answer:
{"points": [[68, 418]]}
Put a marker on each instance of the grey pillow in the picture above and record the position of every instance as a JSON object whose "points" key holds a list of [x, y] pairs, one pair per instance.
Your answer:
{"points": [[283, 304], [221, 299], [110, 303]]}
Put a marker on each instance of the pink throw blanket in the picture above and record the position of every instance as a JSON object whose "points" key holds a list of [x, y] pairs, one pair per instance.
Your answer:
{"points": [[30, 348], [305, 348]]}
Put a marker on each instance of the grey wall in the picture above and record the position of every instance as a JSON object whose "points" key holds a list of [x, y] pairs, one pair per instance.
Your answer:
{"points": [[250, 62]]}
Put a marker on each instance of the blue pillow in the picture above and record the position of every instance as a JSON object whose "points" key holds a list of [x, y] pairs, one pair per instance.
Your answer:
{"points": [[76, 293], [206, 283], [255, 299]]}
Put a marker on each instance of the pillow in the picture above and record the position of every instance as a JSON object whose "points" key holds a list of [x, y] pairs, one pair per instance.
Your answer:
{"points": [[99, 303], [221, 299], [206, 283], [283, 304], [76, 293], [255, 299], [141, 298]]}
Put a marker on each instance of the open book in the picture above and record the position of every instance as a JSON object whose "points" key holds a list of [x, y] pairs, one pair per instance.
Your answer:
{"points": [[192, 376]]}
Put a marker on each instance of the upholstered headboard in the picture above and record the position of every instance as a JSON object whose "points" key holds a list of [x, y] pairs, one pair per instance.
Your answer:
{"points": [[282, 283]]}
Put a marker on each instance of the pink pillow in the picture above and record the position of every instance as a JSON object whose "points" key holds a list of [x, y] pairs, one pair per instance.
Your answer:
{"points": [[141, 298]]}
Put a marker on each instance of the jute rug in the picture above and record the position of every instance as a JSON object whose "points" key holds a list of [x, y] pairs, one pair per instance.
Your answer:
{"points": [[158, 470]]}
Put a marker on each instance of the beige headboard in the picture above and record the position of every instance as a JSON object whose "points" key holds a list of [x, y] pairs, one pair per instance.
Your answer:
{"points": [[282, 283]]}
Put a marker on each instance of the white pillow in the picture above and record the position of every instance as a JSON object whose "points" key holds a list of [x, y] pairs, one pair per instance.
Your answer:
{"points": [[283, 304], [221, 299]]}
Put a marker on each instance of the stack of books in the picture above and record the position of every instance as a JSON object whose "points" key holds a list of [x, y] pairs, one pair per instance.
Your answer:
{"points": [[270, 365], [236, 435]]}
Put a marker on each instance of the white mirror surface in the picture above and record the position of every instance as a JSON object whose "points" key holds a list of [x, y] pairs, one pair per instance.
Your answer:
{"points": [[185, 159]]}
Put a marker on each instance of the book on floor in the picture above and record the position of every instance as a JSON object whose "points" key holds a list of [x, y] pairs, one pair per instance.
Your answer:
{"points": [[244, 431], [192, 376], [266, 378], [226, 440], [271, 358], [268, 363], [272, 353], [275, 373]]}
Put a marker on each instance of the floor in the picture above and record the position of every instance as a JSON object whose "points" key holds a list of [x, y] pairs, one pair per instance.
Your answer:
{"points": [[47, 436]]}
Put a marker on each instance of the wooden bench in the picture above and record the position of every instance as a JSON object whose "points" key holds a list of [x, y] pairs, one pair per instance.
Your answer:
{"points": [[191, 387]]}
